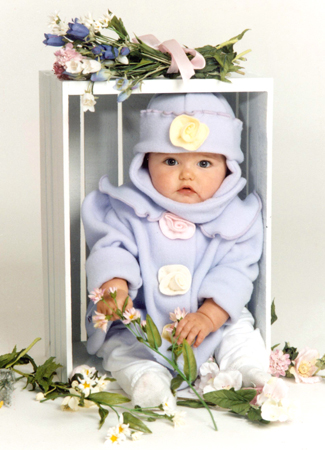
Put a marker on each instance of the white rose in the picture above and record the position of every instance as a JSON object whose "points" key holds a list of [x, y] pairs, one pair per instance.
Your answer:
{"points": [[73, 66], [90, 66], [174, 279]]}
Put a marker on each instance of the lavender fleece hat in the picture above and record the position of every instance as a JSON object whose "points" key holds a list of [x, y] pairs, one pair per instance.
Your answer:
{"points": [[178, 123]]}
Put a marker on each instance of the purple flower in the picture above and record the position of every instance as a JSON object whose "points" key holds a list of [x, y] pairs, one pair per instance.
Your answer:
{"points": [[105, 51], [97, 50], [124, 51], [54, 40], [77, 30], [110, 52]]}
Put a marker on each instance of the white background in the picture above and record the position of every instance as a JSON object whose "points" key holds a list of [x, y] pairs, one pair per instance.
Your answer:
{"points": [[287, 41]]}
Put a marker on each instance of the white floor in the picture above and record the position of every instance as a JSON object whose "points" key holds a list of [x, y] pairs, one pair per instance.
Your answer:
{"points": [[28, 424]]}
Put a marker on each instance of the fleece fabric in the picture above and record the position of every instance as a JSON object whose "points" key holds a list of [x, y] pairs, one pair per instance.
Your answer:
{"points": [[126, 241]]}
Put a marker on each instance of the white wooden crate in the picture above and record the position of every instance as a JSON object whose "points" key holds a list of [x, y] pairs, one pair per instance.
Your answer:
{"points": [[77, 148]]}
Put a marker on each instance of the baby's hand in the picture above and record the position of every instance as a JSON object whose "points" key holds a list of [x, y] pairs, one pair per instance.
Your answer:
{"points": [[194, 325], [108, 306]]}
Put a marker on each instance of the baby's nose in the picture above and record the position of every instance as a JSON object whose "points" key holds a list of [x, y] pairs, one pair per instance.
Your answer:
{"points": [[186, 173]]}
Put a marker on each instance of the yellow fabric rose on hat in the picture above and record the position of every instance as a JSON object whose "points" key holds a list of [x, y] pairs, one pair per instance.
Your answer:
{"points": [[188, 132]]}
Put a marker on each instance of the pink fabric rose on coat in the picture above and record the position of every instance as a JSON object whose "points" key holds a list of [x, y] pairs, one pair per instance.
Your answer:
{"points": [[305, 366], [175, 227]]}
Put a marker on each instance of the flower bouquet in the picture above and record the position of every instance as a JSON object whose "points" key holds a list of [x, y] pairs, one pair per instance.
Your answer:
{"points": [[89, 53], [213, 389]]}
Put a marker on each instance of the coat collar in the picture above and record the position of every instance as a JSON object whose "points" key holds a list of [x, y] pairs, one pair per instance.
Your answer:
{"points": [[238, 215]]}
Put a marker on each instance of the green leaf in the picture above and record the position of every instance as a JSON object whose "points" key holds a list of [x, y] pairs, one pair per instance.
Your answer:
{"points": [[108, 398], [236, 401], [23, 352], [103, 413], [151, 415], [135, 423], [289, 374], [233, 40], [176, 382], [291, 351], [191, 403], [118, 26], [153, 334], [320, 363], [254, 414], [45, 373], [6, 359], [274, 317], [275, 346], [190, 369]]}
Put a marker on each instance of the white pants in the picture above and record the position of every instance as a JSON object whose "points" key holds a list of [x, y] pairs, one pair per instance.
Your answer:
{"points": [[241, 346]]}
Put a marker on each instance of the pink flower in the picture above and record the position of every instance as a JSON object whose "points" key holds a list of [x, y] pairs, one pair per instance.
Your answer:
{"points": [[305, 366], [59, 71], [275, 389], [130, 315], [279, 363], [178, 314], [67, 53], [175, 227], [112, 290], [100, 321], [96, 295]]}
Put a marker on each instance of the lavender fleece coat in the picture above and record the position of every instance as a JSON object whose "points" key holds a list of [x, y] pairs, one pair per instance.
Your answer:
{"points": [[125, 241]]}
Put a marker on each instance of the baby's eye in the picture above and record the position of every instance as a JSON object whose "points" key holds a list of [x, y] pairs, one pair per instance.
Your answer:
{"points": [[170, 162], [204, 164]]}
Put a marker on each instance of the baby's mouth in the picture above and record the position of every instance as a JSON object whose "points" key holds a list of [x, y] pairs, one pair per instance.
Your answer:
{"points": [[186, 190]]}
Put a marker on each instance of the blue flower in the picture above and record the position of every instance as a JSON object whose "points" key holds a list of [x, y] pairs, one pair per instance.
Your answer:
{"points": [[121, 84], [124, 51], [102, 75], [123, 95], [97, 50], [77, 30], [54, 40], [110, 52]]}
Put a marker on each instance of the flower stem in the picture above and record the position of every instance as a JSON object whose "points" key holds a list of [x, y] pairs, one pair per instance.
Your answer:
{"points": [[175, 367], [23, 353]]}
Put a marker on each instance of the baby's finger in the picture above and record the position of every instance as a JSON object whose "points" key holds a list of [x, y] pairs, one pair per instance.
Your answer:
{"points": [[192, 335], [200, 338], [184, 332], [180, 327]]}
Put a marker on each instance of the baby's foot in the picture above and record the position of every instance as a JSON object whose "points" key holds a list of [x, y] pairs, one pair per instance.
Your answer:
{"points": [[153, 389], [254, 377]]}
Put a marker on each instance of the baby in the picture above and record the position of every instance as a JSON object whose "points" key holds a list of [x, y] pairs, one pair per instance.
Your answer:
{"points": [[176, 236]]}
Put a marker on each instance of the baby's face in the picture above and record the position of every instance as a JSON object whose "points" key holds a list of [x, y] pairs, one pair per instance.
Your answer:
{"points": [[187, 177]]}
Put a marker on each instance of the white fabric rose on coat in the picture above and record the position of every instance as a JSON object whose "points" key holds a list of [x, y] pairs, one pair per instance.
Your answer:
{"points": [[174, 279], [175, 227]]}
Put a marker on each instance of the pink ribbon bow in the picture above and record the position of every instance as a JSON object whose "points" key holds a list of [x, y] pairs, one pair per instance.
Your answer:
{"points": [[180, 62]]}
